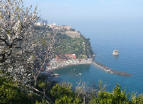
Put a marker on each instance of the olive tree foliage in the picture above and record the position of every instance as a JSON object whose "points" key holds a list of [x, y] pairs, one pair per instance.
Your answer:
{"points": [[16, 34]]}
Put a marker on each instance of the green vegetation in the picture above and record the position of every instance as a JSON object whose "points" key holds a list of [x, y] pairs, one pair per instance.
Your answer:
{"points": [[67, 45], [24, 53], [12, 93], [63, 95]]}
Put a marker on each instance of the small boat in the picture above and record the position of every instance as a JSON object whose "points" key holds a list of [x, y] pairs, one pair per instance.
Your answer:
{"points": [[115, 52]]}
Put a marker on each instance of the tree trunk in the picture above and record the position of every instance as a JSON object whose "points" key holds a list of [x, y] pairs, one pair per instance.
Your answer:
{"points": [[35, 81]]}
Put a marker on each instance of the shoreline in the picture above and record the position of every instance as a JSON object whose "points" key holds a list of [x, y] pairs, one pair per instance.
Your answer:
{"points": [[57, 64], [54, 64]]}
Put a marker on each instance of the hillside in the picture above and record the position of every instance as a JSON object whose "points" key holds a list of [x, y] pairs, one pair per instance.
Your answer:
{"points": [[70, 41]]}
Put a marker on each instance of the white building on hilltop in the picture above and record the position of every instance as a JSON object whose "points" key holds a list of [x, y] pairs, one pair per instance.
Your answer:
{"points": [[60, 27]]}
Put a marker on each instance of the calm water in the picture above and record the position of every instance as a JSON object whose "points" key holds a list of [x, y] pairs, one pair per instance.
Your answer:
{"points": [[127, 37]]}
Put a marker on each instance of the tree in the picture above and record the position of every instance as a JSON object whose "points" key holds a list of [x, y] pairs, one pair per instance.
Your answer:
{"points": [[64, 95], [24, 50], [43, 51], [10, 94], [16, 34]]}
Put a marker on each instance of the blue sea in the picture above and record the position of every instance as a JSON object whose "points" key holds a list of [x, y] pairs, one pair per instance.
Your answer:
{"points": [[105, 36]]}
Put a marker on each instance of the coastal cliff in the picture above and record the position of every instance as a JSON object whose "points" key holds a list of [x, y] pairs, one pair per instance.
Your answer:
{"points": [[69, 44]]}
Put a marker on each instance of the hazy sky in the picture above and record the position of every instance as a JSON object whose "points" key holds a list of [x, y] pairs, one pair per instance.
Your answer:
{"points": [[74, 10]]}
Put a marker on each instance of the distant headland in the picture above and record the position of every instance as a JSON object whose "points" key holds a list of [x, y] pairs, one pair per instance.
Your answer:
{"points": [[72, 48]]}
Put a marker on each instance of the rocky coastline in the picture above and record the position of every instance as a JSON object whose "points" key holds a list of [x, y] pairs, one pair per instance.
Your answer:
{"points": [[57, 64]]}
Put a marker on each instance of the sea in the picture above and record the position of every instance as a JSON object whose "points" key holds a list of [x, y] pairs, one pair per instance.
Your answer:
{"points": [[105, 36]]}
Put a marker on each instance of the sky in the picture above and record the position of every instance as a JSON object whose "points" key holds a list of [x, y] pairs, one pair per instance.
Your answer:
{"points": [[62, 11]]}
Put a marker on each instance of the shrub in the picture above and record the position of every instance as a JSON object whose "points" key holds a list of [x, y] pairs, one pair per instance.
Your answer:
{"points": [[64, 95]]}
